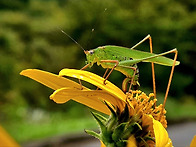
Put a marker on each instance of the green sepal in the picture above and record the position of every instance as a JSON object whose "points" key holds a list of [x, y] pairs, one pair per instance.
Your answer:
{"points": [[131, 129], [121, 143], [111, 109], [101, 118], [105, 134], [149, 138], [118, 132], [92, 133], [113, 119], [143, 142], [99, 121], [137, 126], [124, 116]]}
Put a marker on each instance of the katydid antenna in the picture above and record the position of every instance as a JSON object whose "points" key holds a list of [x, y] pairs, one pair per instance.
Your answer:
{"points": [[72, 39]]}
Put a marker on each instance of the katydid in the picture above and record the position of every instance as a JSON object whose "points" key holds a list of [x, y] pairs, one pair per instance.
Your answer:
{"points": [[125, 60]]}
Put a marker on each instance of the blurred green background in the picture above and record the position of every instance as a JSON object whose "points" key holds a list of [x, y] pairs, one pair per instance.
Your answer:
{"points": [[30, 37]]}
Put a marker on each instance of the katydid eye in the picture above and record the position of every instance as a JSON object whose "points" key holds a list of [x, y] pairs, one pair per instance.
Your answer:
{"points": [[91, 52]]}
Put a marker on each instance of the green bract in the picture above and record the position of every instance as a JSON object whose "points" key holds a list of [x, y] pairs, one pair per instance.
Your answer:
{"points": [[118, 127]]}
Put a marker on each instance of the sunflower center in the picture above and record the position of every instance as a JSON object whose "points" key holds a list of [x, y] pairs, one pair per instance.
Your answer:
{"points": [[144, 104]]}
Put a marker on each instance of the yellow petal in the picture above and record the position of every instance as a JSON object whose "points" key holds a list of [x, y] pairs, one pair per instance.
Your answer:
{"points": [[102, 144], [6, 140], [161, 135], [57, 82], [193, 143], [131, 142], [59, 96], [95, 80], [48, 79], [91, 98]]}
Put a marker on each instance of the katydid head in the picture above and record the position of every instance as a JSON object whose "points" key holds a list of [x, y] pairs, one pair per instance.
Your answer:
{"points": [[90, 57]]}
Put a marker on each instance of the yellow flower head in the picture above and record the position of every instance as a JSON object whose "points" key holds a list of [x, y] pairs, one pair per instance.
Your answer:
{"points": [[140, 106]]}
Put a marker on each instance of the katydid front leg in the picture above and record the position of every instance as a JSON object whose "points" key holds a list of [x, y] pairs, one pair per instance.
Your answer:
{"points": [[104, 76], [83, 68], [117, 65], [105, 73], [110, 61]]}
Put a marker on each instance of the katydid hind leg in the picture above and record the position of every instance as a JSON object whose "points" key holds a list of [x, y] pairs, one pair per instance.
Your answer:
{"points": [[130, 62], [153, 71], [170, 79], [147, 37], [152, 64]]}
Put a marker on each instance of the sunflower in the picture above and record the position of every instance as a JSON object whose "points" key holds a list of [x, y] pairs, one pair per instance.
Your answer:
{"points": [[133, 120]]}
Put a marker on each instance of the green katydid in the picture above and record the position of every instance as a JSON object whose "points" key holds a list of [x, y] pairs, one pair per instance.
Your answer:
{"points": [[125, 60]]}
